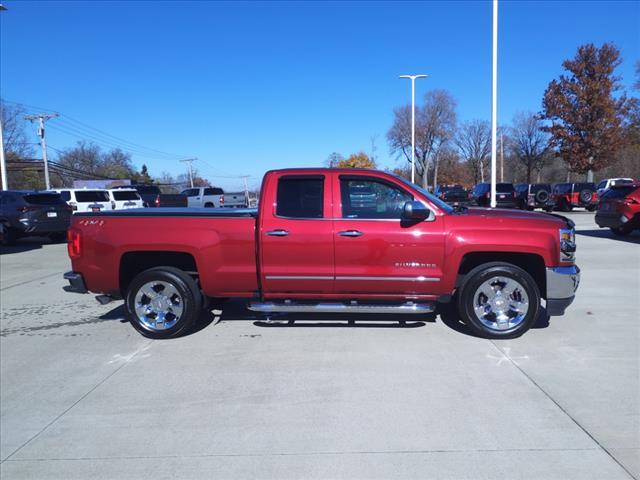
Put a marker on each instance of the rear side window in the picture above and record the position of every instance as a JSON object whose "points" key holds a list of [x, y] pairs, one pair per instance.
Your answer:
{"points": [[126, 195], [92, 196], [371, 199], [43, 198], [213, 191], [192, 192], [300, 197]]}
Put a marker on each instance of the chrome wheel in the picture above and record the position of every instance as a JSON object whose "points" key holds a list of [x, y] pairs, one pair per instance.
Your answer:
{"points": [[501, 303], [158, 305]]}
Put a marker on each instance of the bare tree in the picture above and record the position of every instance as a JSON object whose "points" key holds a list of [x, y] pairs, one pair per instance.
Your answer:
{"points": [[14, 136], [334, 159], [528, 142], [435, 126], [474, 144]]}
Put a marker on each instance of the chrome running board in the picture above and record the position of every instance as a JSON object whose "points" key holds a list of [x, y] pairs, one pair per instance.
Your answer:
{"points": [[338, 307]]}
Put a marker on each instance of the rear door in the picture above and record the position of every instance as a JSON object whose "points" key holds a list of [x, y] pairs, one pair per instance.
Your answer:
{"points": [[296, 236]]}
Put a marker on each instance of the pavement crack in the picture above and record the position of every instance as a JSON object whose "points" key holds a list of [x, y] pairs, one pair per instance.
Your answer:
{"points": [[128, 359], [548, 395]]}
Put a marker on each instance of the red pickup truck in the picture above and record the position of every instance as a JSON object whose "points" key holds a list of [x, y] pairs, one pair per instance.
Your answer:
{"points": [[328, 240]]}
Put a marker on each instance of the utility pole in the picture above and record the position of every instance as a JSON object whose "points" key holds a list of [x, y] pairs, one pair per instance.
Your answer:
{"points": [[413, 124], [190, 162], [43, 117], [246, 188]]}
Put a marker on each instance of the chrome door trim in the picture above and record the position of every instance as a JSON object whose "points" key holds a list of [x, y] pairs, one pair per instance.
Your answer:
{"points": [[277, 233], [299, 277], [393, 279]]}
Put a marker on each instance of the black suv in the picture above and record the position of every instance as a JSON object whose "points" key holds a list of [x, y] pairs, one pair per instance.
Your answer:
{"points": [[505, 195], [36, 213], [452, 194], [534, 195]]}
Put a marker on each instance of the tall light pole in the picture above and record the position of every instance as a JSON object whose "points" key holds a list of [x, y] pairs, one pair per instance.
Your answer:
{"points": [[3, 164], [413, 122], [494, 104]]}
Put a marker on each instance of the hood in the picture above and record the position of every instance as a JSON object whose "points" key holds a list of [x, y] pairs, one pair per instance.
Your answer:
{"points": [[508, 215]]}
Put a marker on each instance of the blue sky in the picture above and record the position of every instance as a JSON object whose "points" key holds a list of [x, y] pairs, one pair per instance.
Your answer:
{"points": [[247, 87]]}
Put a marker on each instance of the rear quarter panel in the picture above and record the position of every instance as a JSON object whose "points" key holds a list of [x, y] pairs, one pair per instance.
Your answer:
{"points": [[224, 249]]}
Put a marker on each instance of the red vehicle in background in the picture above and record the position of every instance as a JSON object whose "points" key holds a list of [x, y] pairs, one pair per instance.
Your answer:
{"points": [[331, 241], [619, 209], [567, 196]]}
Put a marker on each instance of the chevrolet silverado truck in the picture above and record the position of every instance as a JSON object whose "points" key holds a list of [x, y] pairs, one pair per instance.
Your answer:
{"points": [[314, 245]]}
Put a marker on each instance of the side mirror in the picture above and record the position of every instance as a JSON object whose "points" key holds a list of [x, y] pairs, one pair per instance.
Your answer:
{"points": [[415, 211]]}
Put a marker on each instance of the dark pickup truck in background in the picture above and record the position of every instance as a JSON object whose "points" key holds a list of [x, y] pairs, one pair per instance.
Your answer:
{"points": [[153, 197]]}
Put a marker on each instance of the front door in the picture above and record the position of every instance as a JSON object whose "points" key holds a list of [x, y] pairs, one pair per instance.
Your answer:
{"points": [[377, 252], [296, 236]]}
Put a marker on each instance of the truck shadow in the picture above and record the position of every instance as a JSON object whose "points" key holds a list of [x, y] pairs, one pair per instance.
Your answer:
{"points": [[633, 237]]}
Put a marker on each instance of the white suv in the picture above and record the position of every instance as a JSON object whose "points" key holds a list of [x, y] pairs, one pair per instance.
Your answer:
{"points": [[86, 200], [204, 197], [122, 198]]}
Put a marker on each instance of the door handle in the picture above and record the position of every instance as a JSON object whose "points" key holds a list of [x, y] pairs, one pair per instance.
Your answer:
{"points": [[278, 233], [350, 233]]}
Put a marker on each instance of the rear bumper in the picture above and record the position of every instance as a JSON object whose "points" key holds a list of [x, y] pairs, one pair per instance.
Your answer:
{"points": [[616, 220], [562, 283], [76, 283]]}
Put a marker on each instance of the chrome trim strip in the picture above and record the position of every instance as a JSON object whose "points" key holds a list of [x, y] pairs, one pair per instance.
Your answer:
{"points": [[408, 307], [393, 279], [562, 282], [298, 277]]}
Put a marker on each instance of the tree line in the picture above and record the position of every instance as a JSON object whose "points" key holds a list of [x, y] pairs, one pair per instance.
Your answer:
{"points": [[587, 124]]}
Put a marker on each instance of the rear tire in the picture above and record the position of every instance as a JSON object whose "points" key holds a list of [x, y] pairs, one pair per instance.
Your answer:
{"points": [[591, 208], [499, 300], [163, 302]]}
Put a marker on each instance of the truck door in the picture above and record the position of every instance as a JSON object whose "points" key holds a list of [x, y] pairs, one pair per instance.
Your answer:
{"points": [[296, 236], [376, 251]]}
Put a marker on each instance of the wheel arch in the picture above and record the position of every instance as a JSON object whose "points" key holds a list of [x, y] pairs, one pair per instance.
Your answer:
{"points": [[531, 263], [133, 263]]}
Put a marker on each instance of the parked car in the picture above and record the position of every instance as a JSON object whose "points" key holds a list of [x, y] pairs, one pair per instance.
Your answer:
{"points": [[567, 196], [607, 183], [400, 254], [86, 200], [236, 200], [530, 196], [121, 198], [452, 194], [207, 197], [619, 208], [37, 213], [153, 197], [505, 195]]}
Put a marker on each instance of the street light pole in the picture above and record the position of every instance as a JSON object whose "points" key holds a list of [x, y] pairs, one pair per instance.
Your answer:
{"points": [[494, 104], [413, 122], [3, 163]]}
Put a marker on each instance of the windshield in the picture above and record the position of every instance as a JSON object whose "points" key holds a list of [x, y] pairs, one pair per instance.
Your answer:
{"points": [[126, 195], [432, 198]]}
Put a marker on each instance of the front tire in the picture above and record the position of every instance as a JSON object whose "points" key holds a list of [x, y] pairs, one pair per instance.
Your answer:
{"points": [[499, 300], [163, 302]]}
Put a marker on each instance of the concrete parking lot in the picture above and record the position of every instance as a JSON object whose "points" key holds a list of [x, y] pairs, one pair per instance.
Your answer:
{"points": [[84, 396]]}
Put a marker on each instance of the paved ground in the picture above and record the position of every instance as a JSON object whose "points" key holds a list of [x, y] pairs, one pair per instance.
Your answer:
{"points": [[84, 396]]}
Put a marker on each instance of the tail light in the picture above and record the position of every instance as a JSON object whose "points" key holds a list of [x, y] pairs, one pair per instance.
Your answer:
{"points": [[488, 195], [221, 200], [157, 202], [73, 242], [514, 194]]}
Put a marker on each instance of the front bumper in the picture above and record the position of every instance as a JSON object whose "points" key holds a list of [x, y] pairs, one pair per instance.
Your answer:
{"points": [[76, 283], [562, 283]]}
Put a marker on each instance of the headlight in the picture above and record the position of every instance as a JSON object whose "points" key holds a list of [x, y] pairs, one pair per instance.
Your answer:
{"points": [[567, 244]]}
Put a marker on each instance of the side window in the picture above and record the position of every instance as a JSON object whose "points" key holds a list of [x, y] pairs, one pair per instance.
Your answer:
{"points": [[371, 199], [300, 197], [66, 195]]}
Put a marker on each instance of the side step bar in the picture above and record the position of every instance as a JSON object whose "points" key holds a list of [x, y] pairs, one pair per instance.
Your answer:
{"points": [[352, 307]]}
